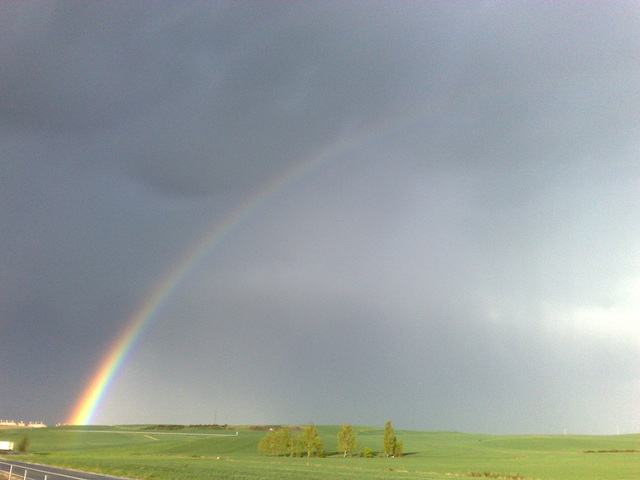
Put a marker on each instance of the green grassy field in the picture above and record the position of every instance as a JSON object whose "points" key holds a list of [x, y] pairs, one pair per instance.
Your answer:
{"points": [[136, 452]]}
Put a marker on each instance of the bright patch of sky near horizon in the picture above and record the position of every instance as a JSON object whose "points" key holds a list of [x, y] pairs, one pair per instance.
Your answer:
{"points": [[470, 261]]}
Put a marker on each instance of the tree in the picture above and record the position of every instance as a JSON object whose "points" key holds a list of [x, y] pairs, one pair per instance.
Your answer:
{"points": [[346, 440], [24, 443], [284, 440], [276, 442], [297, 447], [266, 444], [311, 441], [389, 442], [398, 450]]}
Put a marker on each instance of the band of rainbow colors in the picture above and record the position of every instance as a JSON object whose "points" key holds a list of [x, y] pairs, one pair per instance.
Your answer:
{"points": [[90, 401], [112, 363]]}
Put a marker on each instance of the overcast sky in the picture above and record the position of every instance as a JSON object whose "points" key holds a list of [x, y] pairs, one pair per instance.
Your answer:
{"points": [[465, 255]]}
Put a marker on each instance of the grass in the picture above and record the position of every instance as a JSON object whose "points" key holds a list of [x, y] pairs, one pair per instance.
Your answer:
{"points": [[201, 453]]}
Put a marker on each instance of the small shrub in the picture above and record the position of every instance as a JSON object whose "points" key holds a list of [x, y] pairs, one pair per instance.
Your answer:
{"points": [[495, 475], [23, 444]]}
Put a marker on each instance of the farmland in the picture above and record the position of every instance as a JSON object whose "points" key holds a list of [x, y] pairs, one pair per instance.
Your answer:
{"points": [[145, 452]]}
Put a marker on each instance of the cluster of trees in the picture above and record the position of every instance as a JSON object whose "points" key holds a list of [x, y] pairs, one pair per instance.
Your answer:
{"points": [[282, 442]]}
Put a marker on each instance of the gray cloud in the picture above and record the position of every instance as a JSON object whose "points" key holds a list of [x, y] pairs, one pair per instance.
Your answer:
{"points": [[74, 65], [467, 259]]}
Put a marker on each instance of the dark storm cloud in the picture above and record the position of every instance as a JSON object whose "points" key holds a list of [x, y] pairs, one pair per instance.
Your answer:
{"points": [[468, 260], [211, 97], [284, 93], [206, 97], [77, 65]]}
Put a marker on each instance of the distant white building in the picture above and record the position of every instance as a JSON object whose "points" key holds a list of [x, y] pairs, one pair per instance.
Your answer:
{"points": [[21, 424]]}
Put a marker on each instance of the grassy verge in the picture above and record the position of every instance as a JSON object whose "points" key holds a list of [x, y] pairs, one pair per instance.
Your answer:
{"points": [[201, 453]]}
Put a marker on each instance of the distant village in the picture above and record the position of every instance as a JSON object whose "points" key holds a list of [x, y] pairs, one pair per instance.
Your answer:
{"points": [[12, 423]]}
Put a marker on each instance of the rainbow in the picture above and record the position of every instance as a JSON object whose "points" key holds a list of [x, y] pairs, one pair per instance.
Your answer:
{"points": [[89, 402], [111, 364]]}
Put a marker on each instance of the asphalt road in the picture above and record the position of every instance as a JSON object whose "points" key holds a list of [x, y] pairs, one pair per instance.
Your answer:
{"points": [[42, 472]]}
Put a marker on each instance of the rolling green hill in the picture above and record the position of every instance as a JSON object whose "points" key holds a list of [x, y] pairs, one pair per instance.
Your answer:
{"points": [[150, 452]]}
